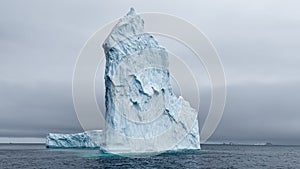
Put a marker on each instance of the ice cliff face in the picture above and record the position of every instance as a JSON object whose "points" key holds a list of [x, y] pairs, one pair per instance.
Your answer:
{"points": [[88, 139], [140, 103]]}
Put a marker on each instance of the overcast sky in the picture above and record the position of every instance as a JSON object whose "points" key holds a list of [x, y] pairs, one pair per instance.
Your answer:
{"points": [[257, 41]]}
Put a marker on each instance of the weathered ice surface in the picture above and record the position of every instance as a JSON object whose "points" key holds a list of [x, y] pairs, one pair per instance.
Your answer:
{"points": [[142, 112], [87, 139]]}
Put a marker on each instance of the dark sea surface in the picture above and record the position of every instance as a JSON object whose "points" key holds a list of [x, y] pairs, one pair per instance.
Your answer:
{"points": [[211, 156]]}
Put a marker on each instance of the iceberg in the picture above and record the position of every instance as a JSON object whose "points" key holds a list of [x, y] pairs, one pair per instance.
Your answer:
{"points": [[87, 139], [142, 112]]}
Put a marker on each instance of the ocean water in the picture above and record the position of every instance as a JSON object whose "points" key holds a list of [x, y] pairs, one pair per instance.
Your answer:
{"points": [[212, 156]]}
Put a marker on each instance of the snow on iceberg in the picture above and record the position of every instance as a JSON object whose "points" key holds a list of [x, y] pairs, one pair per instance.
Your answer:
{"points": [[87, 139]]}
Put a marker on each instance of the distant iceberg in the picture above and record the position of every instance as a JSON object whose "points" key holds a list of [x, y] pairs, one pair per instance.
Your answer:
{"points": [[87, 139]]}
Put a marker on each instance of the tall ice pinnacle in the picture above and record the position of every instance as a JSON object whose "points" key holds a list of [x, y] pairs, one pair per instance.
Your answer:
{"points": [[142, 112]]}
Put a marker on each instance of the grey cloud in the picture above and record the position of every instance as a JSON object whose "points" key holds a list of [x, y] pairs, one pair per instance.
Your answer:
{"points": [[257, 43]]}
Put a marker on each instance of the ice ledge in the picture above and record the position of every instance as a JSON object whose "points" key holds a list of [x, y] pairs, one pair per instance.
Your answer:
{"points": [[87, 139]]}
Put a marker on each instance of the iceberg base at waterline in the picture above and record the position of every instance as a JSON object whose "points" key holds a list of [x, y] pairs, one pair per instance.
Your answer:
{"points": [[95, 139]]}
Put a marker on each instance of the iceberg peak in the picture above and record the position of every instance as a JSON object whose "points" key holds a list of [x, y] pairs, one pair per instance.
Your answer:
{"points": [[131, 11], [128, 26]]}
